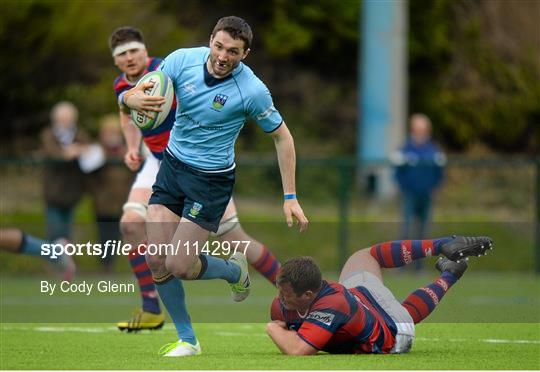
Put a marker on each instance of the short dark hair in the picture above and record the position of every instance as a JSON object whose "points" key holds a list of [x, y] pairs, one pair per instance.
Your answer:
{"points": [[237, 28], [302, 273], [123, 35]]}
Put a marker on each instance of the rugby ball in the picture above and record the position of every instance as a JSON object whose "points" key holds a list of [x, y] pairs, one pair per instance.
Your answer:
{"points": [[162, 87]]}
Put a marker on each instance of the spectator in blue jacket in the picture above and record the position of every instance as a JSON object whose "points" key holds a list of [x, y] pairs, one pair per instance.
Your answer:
{"points": [[419, 171]]}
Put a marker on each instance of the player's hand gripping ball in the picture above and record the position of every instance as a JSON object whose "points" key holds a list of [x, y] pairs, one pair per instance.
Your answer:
{"points": [[162, 87]]}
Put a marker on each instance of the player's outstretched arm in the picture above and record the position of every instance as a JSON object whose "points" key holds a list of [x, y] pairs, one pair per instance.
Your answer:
{"points": [[288, 341], [136, 99], [287, 165], [133, 137]]}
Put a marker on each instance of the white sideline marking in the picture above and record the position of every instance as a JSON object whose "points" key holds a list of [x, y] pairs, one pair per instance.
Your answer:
{"points": [[69, 329], [243, 334], [75, 329], [494, 300], [239, 334], [62, 329], [485, 340], [109, 300], [496, 341], [247, 326]]}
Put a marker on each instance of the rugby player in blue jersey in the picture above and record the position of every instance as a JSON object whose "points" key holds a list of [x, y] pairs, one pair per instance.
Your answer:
{"points": [[216, 93], [132, 59]]}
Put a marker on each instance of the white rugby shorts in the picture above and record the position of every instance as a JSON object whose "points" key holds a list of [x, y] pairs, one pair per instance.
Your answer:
{"points": [[147, 174]]}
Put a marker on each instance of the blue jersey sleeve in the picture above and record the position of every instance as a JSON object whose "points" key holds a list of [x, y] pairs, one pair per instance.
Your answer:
{"points": [[172, 66], [261, 108]]}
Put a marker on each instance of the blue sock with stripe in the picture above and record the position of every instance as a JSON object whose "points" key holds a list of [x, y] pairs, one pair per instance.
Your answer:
{"points": [[218, 268], [172, 295], [30, 245]]}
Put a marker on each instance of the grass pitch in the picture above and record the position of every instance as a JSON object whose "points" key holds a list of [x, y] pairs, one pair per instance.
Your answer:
{"points": [[245, 346], [497, 327]]}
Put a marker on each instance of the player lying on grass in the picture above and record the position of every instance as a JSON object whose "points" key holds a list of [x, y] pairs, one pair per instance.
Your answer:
{"points": [[359, 314], [16, 241], [131, 57]]}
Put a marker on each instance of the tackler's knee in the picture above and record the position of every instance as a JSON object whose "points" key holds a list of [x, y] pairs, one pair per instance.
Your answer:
{"points": [[134, 215], [226, 226], [156, 263]]}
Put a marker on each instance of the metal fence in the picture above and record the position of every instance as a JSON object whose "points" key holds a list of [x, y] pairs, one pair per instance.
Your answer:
{"points": [[499, 196]]}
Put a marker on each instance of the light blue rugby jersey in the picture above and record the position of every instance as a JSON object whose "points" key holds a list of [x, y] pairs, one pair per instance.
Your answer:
{"points": [[212, 111]]}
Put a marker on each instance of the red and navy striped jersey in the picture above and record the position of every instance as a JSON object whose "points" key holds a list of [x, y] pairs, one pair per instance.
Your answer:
{"points": [[156, 139], [341, 321]]}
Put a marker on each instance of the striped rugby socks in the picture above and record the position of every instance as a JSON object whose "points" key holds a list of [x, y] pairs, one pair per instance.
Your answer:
{"points": [[142, 272], [423, 301], [399, 253], [267, 265]]}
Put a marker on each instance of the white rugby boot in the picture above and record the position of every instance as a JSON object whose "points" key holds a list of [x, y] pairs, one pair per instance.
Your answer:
{"points": [[180, 349], [240, 290]]}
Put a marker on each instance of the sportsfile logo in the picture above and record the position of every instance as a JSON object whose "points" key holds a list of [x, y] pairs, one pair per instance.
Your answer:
{"points": [[324, 318], [116, 248]]}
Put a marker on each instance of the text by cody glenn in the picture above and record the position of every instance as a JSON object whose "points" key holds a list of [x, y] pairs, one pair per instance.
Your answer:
{"points": [[85, 287], [117, 248]]}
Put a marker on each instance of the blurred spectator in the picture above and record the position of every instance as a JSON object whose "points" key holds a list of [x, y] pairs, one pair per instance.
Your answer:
{"points": [[419, 171], [110, 180], [63, 182]]}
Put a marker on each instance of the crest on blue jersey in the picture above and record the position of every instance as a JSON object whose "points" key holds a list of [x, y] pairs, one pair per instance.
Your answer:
{"points": [[219, 101]]}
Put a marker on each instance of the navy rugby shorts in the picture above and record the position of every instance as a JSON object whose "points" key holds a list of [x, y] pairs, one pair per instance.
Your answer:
{"points": [[190, 193]]}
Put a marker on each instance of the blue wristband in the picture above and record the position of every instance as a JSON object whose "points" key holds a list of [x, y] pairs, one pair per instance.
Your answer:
{"points": [[289, 196]]}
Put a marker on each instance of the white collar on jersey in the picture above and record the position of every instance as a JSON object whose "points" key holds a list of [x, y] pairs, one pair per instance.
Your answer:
{"points": [[302, 315]]}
